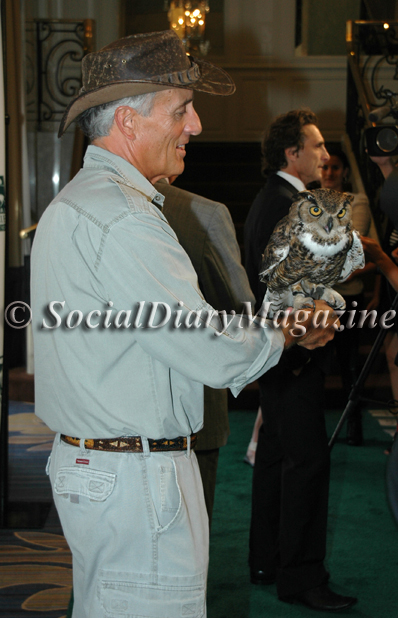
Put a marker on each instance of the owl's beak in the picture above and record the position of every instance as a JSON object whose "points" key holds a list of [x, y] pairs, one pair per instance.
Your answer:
{"points": [[329, 225]]}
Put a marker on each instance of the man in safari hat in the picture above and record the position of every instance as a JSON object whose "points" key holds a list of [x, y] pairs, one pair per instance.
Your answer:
{"points": [[124, 340]]}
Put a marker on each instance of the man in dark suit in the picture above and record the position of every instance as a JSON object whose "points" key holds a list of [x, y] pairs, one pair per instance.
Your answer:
{"points": [[292, 466], [207, 233]]}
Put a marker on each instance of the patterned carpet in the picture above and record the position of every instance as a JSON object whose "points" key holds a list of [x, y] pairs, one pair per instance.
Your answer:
{"points": [[35, 563], [35, 574]]}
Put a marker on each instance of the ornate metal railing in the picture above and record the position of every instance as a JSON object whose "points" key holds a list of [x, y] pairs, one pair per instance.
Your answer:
{"points": [[372, 87], [54, 50]]}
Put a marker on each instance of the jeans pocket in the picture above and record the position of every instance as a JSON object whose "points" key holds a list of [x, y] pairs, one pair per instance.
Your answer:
{"points": [[165, 493], [94, 484], [169, 491], [128, 595]]}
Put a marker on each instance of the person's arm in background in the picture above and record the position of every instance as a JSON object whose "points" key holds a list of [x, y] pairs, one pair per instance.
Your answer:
{"points": [[382, 261], [375, 300], [385, 164], [363, 222]]}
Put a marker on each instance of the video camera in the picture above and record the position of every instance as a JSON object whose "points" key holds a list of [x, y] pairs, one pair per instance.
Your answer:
{"points": [[382, 141]]}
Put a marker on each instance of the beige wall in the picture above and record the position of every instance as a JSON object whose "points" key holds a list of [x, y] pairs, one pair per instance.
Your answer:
{"points": [[259, 53]]}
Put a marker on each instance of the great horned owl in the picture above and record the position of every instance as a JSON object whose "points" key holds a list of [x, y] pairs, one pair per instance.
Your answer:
{"points": [[310, 250]]}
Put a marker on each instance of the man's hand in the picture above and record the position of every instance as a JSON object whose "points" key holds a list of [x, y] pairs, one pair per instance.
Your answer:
{"points": [[385, 164], [372, 249], [311, 328]]}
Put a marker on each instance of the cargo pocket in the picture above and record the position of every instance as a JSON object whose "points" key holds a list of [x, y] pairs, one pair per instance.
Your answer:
{"points": [[128, 595], [94, 484]]}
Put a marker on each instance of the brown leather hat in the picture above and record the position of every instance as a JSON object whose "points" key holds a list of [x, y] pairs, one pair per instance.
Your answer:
{"points": [[142, 63]]}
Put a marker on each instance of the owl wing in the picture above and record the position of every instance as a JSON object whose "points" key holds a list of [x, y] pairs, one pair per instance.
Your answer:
{"points": [[276, 250], [355, 258]]}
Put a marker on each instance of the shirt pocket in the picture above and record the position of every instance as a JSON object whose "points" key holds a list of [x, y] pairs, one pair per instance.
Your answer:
{"points": [[93, 484]]}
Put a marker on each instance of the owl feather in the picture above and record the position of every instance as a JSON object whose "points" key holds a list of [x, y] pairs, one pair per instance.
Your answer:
{"points": [[311, 249]]}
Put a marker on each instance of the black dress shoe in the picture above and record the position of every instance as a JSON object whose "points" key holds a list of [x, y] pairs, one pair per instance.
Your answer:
{"points": [[354, 432], [323, 599], [261, 578]]}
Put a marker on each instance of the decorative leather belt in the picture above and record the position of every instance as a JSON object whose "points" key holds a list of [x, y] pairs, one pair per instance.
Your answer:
{"points": [[132, 444]]}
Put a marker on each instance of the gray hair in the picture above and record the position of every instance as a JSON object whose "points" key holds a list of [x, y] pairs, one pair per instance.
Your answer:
{"points": [[97, 121]]}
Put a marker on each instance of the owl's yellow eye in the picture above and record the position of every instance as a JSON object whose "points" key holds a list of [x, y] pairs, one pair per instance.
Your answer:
{"points": [[315, 211], [341, 213]]}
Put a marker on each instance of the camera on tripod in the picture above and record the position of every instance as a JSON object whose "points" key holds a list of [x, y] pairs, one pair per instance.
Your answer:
{"points": [[382, 140]]}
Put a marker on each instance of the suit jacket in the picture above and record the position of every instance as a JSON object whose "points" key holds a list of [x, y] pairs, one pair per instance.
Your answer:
{"points": [[269, 207], [206, 232], [271, 204]]}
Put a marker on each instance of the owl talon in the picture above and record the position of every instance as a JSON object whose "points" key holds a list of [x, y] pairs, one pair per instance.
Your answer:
{"points": [[334, 299], [303, 302], [337, 305]]}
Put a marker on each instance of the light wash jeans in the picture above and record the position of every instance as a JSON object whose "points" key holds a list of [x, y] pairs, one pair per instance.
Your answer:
{"points": [[137, 526]]}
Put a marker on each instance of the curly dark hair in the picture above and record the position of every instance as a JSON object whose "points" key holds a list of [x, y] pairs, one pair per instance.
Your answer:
{"points": [[286, 131]]}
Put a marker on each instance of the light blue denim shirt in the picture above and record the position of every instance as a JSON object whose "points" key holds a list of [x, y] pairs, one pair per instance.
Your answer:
{"points": [[104, 255]]}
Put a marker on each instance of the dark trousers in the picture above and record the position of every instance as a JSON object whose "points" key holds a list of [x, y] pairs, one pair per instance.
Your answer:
{"points": [[392, 478], [208, 462], [291, 481]]}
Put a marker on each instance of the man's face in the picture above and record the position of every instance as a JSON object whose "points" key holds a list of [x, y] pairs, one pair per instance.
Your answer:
{"points": [[159, 145], [311, 158]]}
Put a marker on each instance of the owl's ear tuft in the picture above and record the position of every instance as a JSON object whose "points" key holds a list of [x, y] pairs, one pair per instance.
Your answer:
{"points": [[349, 197], [307, 195]]}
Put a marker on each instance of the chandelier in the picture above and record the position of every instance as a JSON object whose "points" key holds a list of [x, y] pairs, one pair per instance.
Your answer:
{"points": [[187, 19]]}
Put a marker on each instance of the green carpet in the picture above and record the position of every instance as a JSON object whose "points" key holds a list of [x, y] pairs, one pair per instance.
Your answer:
{"points": [[362, 554]]}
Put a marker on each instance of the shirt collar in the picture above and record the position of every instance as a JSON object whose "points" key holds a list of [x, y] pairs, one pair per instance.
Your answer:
{"points": [[131, 176], [296, 182]]}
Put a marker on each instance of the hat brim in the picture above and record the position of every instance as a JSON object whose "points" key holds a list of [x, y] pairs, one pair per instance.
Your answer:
{"points": [[213, 80]]}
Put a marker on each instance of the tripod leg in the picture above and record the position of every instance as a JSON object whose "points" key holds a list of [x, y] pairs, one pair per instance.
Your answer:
{"points": [[349, 407], [358, 386]]}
